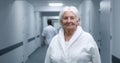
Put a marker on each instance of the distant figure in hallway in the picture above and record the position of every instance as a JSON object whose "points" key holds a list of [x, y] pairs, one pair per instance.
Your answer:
{"points": [[72, 44], [48, 32]]}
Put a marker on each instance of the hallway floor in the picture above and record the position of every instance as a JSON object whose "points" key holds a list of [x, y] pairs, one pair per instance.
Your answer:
{"points": [[38, 56]]}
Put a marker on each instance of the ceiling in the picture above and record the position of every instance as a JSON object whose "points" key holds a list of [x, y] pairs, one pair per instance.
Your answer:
{"points": [[42, 5]]}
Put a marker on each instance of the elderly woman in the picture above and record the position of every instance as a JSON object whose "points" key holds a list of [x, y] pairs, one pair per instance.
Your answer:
{"points": [[72, 44]]}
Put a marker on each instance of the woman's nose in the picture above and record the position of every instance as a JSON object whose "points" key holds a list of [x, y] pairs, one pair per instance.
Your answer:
{"points": [[69, 20]]}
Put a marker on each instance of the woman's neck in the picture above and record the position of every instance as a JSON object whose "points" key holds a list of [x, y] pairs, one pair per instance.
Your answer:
{"points": [[68, 34]]}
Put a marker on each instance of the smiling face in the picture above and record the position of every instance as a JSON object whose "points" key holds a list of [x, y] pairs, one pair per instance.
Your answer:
{"points": [[69, 20]]}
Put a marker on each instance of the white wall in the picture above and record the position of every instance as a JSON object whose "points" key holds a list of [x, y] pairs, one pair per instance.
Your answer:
{"points": [[11, 33], [105, 19], [38, 27], [84, 15], [115, 28], [18, 25], [89, 18], [97, 22]]}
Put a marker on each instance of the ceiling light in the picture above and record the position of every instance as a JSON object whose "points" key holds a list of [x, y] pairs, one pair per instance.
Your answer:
{"points": [[55, 4]]}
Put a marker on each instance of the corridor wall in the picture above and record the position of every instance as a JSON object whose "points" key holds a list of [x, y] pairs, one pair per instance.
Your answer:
{"points": [[115, 47], [19, 32], [89, 18], [105, 24], [10, 35]]}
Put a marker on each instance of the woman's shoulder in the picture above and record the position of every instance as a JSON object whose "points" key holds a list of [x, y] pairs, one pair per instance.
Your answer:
{"points": [[87, 35], [84, 34], [89, 38]]}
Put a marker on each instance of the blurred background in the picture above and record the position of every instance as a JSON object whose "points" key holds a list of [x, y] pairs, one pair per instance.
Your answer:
{"points": [[22, 23]]}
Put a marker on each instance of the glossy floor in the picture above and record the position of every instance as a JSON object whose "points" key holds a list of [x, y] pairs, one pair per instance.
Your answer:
{"points": [[38, 56]]}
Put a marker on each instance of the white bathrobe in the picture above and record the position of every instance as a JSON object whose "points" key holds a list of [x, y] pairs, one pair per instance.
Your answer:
{"points": [[80, 49]]}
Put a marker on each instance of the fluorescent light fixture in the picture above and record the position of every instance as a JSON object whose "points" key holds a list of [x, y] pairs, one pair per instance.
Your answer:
{"points": [[104, 5], [55, 4]]}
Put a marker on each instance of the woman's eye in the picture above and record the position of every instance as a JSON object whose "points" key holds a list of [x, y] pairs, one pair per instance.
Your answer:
{"points": [[65, 18], [72, 18]]}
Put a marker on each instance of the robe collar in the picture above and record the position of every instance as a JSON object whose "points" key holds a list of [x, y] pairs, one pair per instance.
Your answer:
{"points": [[76, 35]]}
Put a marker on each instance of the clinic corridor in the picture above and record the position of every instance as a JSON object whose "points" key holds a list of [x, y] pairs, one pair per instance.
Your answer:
{"points": [[38, 56], [22, 23]]}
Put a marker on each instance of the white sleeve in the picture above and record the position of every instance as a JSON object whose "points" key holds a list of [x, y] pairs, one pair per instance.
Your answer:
{"points": [[94, 51], [95, 54]]}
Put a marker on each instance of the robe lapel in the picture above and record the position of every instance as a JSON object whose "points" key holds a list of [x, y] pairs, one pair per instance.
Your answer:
{"points": [[75, 36], [61, 39], [72, 40]]}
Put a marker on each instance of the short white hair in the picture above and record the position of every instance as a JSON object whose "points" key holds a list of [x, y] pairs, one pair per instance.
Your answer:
{"points": [[69, 8]]}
